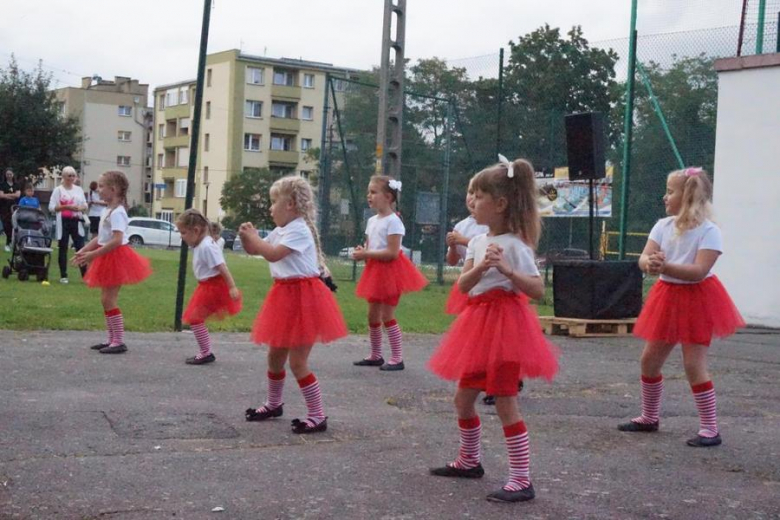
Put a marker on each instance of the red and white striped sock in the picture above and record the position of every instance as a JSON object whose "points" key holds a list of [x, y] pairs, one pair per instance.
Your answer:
{"points": [[201, 333], [704, 395], [275, 388], [116, 326], [652, 391], [519, 456], [110, 332], [375, 337], [470, 433], [310, 388], [395, 338]]}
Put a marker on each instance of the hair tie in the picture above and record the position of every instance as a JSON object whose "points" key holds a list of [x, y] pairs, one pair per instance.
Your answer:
{"points": [[394, 184], [510, 169], [693, 172]]}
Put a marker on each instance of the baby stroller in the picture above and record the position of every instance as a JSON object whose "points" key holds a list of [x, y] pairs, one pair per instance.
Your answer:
{"points": [[31, 245]]}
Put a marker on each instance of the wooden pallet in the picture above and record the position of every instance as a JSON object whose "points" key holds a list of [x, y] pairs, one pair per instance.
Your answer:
{"points": [[578, 328]]}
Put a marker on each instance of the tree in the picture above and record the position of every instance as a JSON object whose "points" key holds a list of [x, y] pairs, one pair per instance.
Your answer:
{"points": [[246, 199], [34, 133]]}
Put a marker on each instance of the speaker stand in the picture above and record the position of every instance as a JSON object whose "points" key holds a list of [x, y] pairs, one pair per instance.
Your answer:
{"points": [[590, 218]]}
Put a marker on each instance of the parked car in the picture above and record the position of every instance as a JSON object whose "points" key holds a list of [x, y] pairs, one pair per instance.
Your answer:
{"points": [[346, 252], [153, 232], [230, 237], [262, 233]]}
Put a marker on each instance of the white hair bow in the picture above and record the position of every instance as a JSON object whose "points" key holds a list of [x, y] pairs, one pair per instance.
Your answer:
{"points": [[394, 185], [510, 170]]}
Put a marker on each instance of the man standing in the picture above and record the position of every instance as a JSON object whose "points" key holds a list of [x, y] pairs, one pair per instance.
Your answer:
{"points": [[9, 194]]}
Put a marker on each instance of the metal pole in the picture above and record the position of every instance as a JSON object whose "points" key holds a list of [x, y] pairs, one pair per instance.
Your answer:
{"points": [[741, 28], [500, 99], [443, 199], [324, 170], [204, 40], [352, 193], [590, 218], [628, 128], [660, 114], [760, 28], [777, 44]]}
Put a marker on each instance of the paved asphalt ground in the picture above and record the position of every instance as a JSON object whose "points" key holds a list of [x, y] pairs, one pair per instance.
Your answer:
{"points": [[144, 436]]}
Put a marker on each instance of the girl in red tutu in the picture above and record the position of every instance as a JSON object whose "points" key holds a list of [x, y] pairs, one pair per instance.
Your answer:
{"points": [[388, 273], [497, 339], [216, 294], [299, 310], [112, 263], [688, 305]]}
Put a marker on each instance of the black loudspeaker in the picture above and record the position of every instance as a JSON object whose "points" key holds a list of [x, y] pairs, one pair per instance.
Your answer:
{"points": [[585, 146], [593, 290]]}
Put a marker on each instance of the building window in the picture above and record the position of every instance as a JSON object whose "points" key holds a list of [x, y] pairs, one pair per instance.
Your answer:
{"points": [[160, 161], [285, 110], [184, 126], [180, 189], [307, 113], [160, 130], [123, 160], [183, 94], [208, 109], [305, 144], [305, 174], [208, 77], [183, 157], [206, 142], [205, 174], [308, 80], [340, 85], [254, 76], [252, 142], [162, 101], [281, 142], [123, 136], [253, 108], [171, 97], [125, 110], [283, 77]]}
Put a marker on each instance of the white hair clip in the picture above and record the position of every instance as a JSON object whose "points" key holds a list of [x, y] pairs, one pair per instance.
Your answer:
{"points": [[394, 184], [510, 170]]}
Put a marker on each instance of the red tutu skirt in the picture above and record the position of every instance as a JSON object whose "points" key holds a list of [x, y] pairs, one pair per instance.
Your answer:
{"points": [[688, 313], [496, 341], [122, 266], [456, 301], [211, 299], [298, 312], [385, 282]]}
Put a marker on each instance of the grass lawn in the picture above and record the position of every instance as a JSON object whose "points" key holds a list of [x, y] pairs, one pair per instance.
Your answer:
{"points": [[149, 306]]}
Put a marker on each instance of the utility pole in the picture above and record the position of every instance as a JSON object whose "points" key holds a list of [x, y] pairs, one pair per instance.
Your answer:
{"points": [[391, 91]]}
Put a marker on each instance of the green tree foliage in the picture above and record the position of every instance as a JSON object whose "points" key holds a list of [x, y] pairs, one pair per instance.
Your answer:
{"points": [[33, 131], [246, 199]]}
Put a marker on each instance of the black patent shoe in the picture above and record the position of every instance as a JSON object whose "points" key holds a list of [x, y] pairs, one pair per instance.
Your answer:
{"points": [[201, 361], [114, 349], [299, 426], [705, 442], [369, 362], [253, 414], [451, 471], [387, 367], [99, 346], [502, 495], [489, 400], [632, 426]]}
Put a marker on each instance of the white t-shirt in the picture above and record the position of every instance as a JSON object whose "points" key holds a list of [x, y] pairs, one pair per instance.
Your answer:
{"points": [[379, 228], [220, 242], [682, 248], [95, 210], [469, 228], [206, 257], [302, 261], [516, 252], [113, 220], [62, 196]]}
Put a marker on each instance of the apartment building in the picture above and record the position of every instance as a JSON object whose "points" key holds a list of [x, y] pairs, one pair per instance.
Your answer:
{"points": [[115, 130], [257, 112]]}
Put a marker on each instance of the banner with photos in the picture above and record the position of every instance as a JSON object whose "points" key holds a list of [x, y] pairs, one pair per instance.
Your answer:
{"points": [[560, 197]]}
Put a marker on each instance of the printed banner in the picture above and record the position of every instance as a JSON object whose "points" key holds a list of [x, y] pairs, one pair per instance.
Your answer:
{"points": [[560, 197]]}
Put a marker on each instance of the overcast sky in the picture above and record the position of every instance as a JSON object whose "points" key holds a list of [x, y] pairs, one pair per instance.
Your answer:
{"points": [[157, 41]]}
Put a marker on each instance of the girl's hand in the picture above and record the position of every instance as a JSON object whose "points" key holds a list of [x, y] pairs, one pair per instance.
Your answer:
{"points": [[82, 258], [234, 293], [495, 258], [454, 238], [247, 228], [359, 253], [656, 263]]}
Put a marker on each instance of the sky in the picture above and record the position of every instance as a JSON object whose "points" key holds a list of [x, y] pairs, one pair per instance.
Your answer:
{"points": [[157, 41]]}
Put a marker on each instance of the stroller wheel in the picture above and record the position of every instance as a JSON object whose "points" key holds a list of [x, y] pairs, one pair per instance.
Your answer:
{"points": [[6, 271], [41, 277], [23, 276]]}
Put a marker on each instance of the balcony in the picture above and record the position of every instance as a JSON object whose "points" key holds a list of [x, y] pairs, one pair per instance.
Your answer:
{"points": [[172, 174], [177, 111], [286, 93], [176, 142], [286, 157], [285, 124]]}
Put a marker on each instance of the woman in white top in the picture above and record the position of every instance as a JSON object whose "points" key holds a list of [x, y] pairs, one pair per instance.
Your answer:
{"points": [[688, 305], [96, 207], [68, 202]]}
